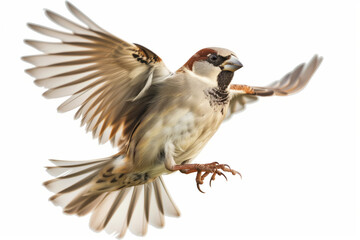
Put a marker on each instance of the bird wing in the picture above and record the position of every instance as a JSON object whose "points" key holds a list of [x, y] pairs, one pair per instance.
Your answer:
{"points": [[107, 78], [291, 83]]}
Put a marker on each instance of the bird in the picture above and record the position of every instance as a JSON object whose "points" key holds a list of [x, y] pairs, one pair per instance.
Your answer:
{"points": [[158, 120]]}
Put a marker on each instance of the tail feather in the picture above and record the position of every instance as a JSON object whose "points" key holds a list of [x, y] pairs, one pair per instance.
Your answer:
{"points": [[81, 205], [63, 200], [115, 211], [117, 224], [156, 211], [98, 218], [169, 206], [64, 185], [88, 205], [136, 215], [119, 199], [72, 176], [64, 168]]}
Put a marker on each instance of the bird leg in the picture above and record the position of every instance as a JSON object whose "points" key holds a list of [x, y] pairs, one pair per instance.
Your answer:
{"points": [[203, 170]]}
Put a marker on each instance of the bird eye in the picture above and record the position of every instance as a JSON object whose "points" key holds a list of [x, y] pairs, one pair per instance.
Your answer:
{"points": [[213, 57]]}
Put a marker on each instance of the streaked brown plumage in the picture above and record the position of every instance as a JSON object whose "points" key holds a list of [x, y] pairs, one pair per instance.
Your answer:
{"points": [[158, 120]]}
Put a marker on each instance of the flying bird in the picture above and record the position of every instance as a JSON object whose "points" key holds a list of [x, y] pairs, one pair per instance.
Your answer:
{"points": [[157, 119]]}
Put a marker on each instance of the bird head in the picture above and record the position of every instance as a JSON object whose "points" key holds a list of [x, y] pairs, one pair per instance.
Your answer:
{"points": [[216, 64]]}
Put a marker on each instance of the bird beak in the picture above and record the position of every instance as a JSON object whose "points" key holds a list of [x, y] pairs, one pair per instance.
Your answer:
{"points": [[232, 64]]}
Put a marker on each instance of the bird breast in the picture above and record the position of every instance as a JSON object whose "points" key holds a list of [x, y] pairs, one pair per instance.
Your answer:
{"points": [[183, 117]]}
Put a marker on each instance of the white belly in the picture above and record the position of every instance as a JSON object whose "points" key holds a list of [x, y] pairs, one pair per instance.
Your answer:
{"points": [[192, 132]]}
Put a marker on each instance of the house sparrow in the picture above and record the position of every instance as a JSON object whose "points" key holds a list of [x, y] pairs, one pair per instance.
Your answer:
{"points": [[158, 120]]}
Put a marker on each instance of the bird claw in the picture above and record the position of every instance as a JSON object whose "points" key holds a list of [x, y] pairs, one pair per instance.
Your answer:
{"points": [[214, 175], [203, 170], [198, 187]]}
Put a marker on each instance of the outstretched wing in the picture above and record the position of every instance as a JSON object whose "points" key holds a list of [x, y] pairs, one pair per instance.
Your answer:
{"points": [[291, 83], [106, 77]]}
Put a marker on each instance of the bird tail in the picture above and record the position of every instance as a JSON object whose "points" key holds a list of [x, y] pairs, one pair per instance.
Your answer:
{"points": [[113, 211]]}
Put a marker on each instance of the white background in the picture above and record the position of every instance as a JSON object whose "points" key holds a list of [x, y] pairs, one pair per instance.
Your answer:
{"points": [[296, 154]]}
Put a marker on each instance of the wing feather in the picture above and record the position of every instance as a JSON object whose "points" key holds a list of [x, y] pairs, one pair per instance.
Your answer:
{"points": [[105, 77], [55, 47], [291, 83], [63, 36], [48, 60], [65, 23], [83, 18]]}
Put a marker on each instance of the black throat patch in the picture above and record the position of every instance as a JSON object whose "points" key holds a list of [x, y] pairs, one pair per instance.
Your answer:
{"points": [[219, 96], [224, 78]]}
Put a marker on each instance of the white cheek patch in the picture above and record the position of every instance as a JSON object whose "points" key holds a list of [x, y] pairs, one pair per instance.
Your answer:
{"points": [[206, 70]]}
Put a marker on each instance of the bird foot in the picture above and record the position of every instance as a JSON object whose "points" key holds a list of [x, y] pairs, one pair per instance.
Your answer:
{"points": [[203, 170]]}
